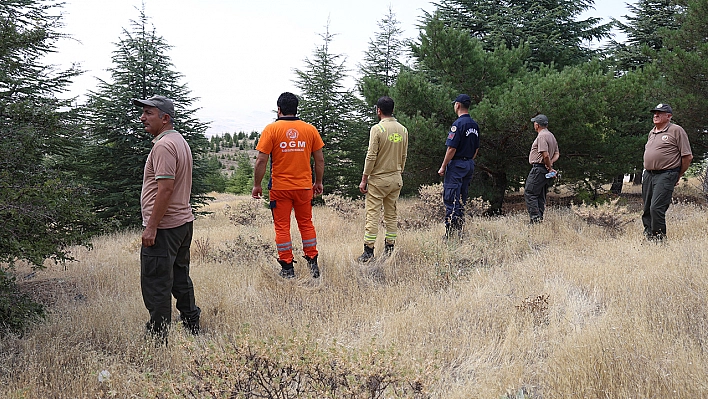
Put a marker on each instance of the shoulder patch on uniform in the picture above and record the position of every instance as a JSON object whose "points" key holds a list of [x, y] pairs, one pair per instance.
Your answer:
{"points": [[451, 136], [453, 128]]}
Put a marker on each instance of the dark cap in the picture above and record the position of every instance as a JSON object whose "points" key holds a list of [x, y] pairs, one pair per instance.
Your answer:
{"points": [[663, 108], [162, 103], [464, 99], [540, 119]]}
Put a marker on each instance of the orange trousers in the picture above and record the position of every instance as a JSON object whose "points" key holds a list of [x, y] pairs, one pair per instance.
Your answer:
{"points": [[282, 203]]}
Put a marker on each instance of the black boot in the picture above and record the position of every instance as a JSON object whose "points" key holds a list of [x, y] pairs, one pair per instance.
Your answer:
{"points": [[287, 271], [312, 262], [368, 254], [388, 249], [190, 324]]}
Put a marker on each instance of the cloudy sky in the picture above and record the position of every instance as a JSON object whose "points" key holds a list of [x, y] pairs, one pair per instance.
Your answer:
{"points": [[237, 56]]}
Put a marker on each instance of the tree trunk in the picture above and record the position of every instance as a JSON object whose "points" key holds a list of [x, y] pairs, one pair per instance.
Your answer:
{"points": [[637, 178], [617, 183], [499, 189]]}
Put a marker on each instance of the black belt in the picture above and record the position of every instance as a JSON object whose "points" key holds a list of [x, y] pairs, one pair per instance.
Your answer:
{"points": [[461, 158], [658, 172], [539, 165]]}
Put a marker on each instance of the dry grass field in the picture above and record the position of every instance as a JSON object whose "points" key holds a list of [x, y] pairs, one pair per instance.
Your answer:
{"points": [[565, 309]]}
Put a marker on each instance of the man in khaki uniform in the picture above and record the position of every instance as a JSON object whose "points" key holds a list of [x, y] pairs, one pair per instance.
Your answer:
{"points": [[381, 180], [667, 156]]}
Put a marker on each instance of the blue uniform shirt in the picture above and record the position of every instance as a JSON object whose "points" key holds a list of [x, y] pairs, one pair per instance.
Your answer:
{"points": [[464, 137]]}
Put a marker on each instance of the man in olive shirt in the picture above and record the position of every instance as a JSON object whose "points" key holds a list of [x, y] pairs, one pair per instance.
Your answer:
{"points": [[667, 156], [381, 180]]}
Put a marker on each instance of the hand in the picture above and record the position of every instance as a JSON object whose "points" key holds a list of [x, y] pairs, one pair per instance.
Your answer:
{"points": [[441, 172], [363, 187], [149, 236], [257, 192], [317, 189]]}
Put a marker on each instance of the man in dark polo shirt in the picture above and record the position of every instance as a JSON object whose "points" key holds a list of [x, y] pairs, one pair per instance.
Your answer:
{"points": [[458, 165], [667, 156]]}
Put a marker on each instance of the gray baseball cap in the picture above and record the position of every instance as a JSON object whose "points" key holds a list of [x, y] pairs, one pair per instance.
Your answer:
{"points": [[540, 119], [162, 103], [663, 108]]}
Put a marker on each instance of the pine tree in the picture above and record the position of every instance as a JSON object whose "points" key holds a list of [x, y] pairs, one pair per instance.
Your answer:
{"points": [[335, 112], [43, 211], [118, 144], [645, 30], [382, 62], [551, 28]]}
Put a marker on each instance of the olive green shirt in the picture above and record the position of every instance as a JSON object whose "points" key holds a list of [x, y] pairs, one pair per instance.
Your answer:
{"points": [[388, 149]]}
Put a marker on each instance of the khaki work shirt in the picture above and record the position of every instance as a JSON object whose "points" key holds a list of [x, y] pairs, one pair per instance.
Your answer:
{"points": [[388, 149], [665, 148]]}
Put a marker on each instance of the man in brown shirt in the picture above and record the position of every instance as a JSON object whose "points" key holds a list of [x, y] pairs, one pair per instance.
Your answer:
{"points": [[544, 152], [167, 217], [667, 156]]}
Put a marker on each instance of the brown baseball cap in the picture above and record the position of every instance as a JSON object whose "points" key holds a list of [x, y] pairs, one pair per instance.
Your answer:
{"points": [[162, 103]]}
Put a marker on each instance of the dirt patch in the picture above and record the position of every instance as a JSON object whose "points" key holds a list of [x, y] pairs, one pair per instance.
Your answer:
{"points": [[50, 291]]}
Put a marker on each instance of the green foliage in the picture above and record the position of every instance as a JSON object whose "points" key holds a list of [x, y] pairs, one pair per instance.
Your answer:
{"points": [[552, 29], [684, 62], [336, 113], [17, 310], [597, 141], [215, 182], [117, 144], [42, 208], [382, 60], [241, 180], [645, 29]]}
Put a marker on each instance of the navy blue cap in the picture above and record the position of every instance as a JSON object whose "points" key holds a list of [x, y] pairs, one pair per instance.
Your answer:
{"points": [[463, 98], [663, 108]]}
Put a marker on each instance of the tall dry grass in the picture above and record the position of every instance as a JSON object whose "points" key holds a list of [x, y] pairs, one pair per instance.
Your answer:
{"points": [[559, 310]]}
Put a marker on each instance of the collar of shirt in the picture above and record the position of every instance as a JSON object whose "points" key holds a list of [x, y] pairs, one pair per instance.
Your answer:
{"points": [[662, 130], [288, 118], [159, 136], [388, 118]]}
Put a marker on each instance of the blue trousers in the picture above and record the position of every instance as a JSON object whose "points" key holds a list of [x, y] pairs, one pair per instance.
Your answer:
{"points": [[455, 186]]}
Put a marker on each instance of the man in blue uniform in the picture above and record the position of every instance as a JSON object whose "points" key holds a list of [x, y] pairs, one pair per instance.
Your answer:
{"points": [[457, 167]]}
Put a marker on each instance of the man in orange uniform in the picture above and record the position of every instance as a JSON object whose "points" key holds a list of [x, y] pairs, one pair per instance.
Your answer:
{"points": [[290, 143]]}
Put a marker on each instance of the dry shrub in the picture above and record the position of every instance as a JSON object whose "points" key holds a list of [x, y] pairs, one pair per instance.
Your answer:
{"points": [[609, 215], [537, 307], [203, 249], [245, 248], [430, 208], [297, 368], [344, 207], [248, 213]]}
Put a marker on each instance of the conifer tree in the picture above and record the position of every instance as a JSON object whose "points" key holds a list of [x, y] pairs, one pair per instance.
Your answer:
{"points": [[117, 144], [43, 211], [552, 29], [382, 60], [645, 30], [336, 113]]}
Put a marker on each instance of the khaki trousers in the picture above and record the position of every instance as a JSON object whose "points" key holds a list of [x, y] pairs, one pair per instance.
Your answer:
{"points": [[382, 192]]}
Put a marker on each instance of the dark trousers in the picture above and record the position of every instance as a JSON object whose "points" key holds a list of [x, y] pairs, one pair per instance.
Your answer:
{"points": [[458, 175], [657, 189], [535, 193], [164, 272]]}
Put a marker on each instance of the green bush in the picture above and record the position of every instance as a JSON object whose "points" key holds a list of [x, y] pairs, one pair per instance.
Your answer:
{"points": [[17, 310]]}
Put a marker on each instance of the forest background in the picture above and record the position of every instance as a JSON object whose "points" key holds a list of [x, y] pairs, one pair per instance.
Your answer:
{"points": [[72, 172]]}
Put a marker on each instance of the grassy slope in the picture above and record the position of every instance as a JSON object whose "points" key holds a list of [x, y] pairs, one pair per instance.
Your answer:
{"points": [[559, 310]]}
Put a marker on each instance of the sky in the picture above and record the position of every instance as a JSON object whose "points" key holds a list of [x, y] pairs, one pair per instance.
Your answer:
{"points": [[237, 56]]}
